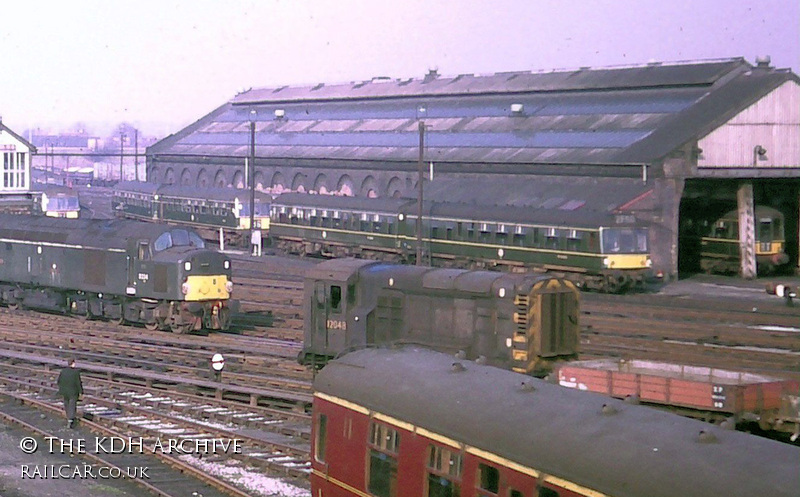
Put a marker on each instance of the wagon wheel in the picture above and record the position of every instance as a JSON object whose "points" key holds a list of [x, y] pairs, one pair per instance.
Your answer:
{"points": [[151, 326], [13, 306]]}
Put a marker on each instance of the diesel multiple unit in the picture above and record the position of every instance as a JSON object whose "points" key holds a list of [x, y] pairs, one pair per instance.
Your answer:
{"points": [[523, 322], [157, 275], [598, 251], [207, 210], [720, 245]]}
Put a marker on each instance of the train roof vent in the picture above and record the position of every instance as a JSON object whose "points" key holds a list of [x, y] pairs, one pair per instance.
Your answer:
{"points": [[526, 387], [461, 355], [632, 399], [706, 437], [481, 360], [457, 367], [608, 409]]}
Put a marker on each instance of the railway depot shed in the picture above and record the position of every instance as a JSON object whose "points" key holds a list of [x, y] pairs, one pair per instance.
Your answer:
{"points": [[676, 142]]}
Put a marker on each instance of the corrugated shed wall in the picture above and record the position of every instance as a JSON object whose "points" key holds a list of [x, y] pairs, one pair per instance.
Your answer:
{"points": [[773, 122]]}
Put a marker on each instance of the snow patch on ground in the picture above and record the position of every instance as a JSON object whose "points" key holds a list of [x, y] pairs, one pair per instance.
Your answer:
{"points": [[253, 481]]}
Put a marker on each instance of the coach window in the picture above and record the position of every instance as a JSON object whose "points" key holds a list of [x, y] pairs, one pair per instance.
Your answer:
{"points": [[486, 232], [336, 298], [594, 244], [321, 438], [574, 240], [445, 466], [384, 444], [488, 480], [519, 236], [551, 240], [546, 492]]}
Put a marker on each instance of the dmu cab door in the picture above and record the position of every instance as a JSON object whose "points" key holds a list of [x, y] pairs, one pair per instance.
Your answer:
{"points": [[330, 317]]}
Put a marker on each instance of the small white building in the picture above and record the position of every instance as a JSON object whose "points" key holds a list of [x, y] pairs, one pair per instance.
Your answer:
{"points": [[16, 155]]}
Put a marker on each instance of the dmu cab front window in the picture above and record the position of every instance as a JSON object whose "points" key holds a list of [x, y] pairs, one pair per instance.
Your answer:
{"points": [[769, 230], [624, 240]]}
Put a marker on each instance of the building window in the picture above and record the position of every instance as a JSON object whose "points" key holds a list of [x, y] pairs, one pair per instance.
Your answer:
{"points": [[14, 170], [488, 479], [384, 443], [445, 466], [514, 493], [321, 438]]}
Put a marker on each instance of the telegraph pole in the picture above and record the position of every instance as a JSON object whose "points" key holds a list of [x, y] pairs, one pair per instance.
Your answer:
{"points": [[421, 177], [136, 154], [252, 172], [121, 143]]}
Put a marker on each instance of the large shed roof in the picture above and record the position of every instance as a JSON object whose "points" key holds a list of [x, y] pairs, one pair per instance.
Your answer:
{"points": [[630, 115]]}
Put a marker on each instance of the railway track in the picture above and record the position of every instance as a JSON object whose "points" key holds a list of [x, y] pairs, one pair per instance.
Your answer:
{"points": [[132, 373], [156, 473], [733, 334]]}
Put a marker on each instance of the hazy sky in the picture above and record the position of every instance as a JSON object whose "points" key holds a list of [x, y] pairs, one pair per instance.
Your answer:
{"points": [[163, 64]]}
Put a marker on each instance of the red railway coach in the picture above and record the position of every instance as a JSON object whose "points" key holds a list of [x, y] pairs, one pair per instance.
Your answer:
{"points": [[412, 422]]}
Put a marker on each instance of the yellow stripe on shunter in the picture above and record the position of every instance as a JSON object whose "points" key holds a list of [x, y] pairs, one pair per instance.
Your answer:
{"points": [[489, 456]]}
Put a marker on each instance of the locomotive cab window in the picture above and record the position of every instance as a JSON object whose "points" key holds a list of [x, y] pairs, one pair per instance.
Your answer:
{"points": [[144, 250], [336, 298], [163, 242]]}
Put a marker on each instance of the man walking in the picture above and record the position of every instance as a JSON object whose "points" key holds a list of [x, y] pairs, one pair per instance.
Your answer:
{"points": [[70, 387]]}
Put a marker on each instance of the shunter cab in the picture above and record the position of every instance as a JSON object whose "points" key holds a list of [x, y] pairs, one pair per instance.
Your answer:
{"points": [[330, 292], [517, 321]]}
